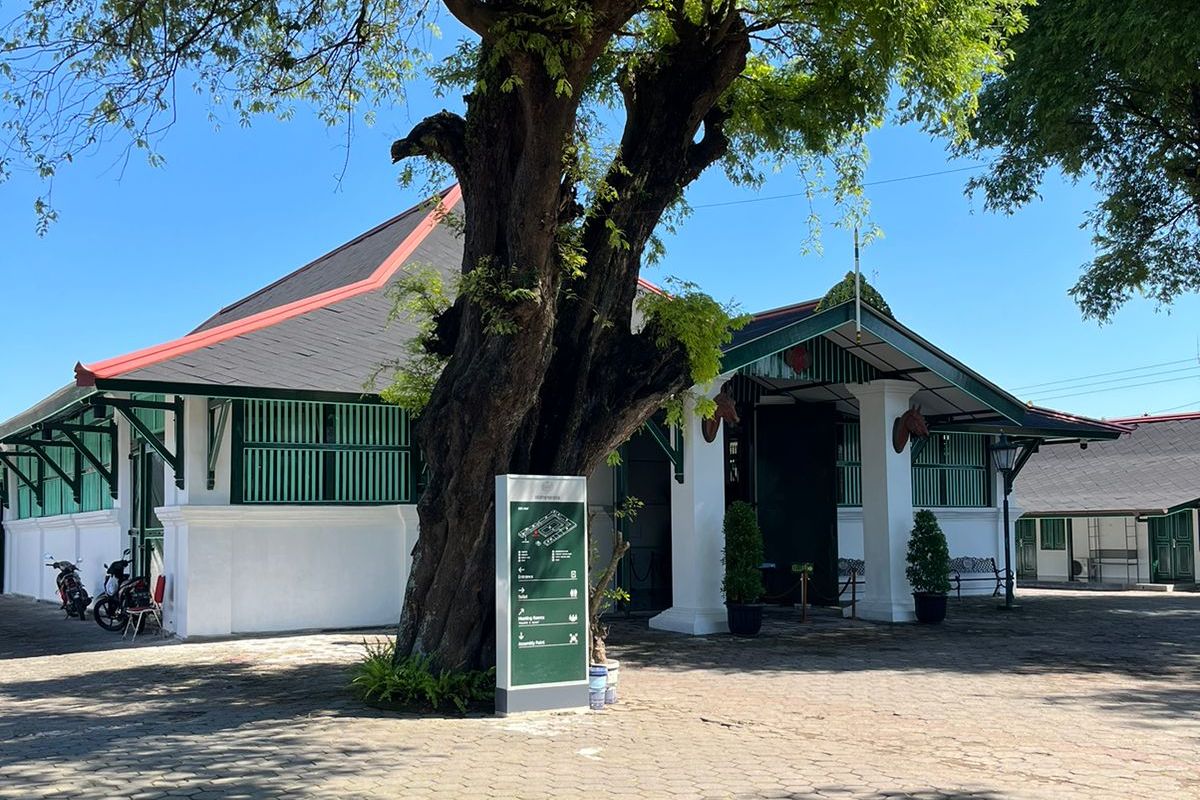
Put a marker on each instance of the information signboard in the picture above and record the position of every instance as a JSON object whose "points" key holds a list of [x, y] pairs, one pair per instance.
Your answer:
{"points": [[541, 592]]}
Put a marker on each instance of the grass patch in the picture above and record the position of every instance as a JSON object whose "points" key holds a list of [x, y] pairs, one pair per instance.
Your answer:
{"points": [[412, 684]]}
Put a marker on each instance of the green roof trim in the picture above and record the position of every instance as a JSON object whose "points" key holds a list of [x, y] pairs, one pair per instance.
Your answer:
{"points": [[1016, 415], [781, 339]]}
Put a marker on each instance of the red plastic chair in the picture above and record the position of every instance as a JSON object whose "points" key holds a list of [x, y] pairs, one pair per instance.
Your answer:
{"points": [[137, 615]]}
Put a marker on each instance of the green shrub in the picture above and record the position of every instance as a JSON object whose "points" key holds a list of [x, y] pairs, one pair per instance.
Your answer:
{"points": [[743, 555], [928, 556], [413, 684]]}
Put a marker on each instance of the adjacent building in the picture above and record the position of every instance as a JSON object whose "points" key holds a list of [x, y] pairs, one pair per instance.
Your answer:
{"points": [[1120, 512], [252, 462]]}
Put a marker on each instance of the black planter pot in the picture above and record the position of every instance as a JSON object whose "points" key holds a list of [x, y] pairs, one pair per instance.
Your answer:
{"points": [[931, 607], [745, 619]]}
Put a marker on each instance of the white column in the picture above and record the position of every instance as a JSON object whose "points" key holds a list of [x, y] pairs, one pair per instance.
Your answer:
{"points": [[886, 501], [697, 538], [195, 459]]}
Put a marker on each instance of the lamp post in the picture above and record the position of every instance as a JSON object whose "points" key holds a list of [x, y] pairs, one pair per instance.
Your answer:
{"points": [[1004, 458]]}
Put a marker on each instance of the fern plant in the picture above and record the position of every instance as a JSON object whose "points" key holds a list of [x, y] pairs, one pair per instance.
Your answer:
{"points": [[413, 683]]}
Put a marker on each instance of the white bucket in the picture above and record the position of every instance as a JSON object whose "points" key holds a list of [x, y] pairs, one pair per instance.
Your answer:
{"points": [[597, 684], [610, 689]]}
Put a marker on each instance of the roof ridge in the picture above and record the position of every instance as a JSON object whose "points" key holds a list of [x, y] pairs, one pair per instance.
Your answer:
{"points": [[1177, 417], [110, 368], [441, 196], [770, 312]]}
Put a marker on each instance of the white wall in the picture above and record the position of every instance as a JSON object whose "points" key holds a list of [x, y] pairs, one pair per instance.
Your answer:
{"points": [[92, 539], [248, 569], [975, 532], [1105, 533]]}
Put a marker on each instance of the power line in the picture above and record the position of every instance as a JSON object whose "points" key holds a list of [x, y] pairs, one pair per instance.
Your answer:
{"points": [[1116, 388], [1193, 404], [792, 195], [1103, 374], [1192, 368]]}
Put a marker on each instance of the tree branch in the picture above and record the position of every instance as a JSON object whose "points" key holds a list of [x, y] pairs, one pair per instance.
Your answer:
{"points": [[475, 15], [441, 136]]}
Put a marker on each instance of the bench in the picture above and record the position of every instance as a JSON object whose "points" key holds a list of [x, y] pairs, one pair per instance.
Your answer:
{"points": [[964, 569], [972, 569]]}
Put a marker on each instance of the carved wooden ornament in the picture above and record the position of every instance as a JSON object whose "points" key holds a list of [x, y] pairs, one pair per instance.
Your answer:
{"points": [[908, 425], [726, 409], [797, 358]]}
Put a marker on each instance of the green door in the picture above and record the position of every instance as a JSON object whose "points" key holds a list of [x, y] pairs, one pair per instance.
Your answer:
{"points": [[1171, 546], [146, 536], [1026, 548]]}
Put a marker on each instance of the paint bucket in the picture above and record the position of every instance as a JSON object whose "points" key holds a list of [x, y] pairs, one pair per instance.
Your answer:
{"points": [[597, 685], [614, 675]]}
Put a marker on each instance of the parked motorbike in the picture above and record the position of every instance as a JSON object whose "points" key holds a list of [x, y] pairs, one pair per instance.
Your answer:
{"points": [[70, 588], [121, 592]]}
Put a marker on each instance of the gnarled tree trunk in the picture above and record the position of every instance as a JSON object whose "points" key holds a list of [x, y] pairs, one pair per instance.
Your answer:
{"points": [[567, 380]]}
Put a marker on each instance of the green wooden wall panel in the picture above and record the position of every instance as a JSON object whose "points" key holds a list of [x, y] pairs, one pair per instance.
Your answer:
{"points": [[336, 453]]}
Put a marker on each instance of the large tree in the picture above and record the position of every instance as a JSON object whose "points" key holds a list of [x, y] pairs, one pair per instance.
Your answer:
{"points": [[583, 123], [1108, 92]]}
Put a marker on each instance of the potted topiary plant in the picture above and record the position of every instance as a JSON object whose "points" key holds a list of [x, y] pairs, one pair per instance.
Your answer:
{"points": [[928, 567], [743, 585]]}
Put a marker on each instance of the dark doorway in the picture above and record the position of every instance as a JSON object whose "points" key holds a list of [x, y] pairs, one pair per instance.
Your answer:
{"points": [[645, 571], [796, 488]]}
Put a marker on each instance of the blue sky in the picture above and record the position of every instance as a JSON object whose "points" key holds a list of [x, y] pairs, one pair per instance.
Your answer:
{"points": [[142, 254]]}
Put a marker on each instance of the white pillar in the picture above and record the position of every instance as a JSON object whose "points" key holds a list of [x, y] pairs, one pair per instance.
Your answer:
{"points": [[697, 537], [887, 506]]}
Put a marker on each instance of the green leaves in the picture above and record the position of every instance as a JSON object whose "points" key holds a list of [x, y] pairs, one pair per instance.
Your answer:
{"points": [[743, 556], [690, 318], [414, 684], [843, 291], [78, 75], [418, 298], [928, 555], [1107, 92]]}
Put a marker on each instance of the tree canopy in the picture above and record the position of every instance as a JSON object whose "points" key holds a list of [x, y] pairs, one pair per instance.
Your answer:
{"points": [[843, 291], [1107, 92], [582, 125]]}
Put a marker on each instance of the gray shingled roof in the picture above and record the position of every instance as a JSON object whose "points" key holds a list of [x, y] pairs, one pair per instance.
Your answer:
{"points": [[1154, 468], [66, 397], [333, 349], [353, 261]]}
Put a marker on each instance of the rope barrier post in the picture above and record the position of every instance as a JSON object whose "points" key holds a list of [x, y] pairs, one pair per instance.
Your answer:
{"points": [[804, 597], [853, 594]]}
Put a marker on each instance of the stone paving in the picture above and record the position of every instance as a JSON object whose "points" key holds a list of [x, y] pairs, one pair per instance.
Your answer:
{"points": [[1078, 694]]}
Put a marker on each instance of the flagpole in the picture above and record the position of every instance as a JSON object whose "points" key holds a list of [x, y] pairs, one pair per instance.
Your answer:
{"points": [[857, 293]]}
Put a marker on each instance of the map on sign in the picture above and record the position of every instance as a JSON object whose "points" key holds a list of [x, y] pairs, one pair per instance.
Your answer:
{"points": [[547, 530], [548, 600]]}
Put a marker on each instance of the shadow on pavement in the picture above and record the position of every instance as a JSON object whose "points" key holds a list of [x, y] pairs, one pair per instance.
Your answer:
{"points": [[1135, 635]]}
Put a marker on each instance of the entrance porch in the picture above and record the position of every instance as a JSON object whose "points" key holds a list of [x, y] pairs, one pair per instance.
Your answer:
{"points": [[836, 433]]}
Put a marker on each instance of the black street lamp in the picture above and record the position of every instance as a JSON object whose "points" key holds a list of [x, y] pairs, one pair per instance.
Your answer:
{"points": [[1004, 458]]}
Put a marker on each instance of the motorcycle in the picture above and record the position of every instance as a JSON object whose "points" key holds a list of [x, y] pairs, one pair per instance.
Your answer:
{"points": [[70, 588], [121, 592]]}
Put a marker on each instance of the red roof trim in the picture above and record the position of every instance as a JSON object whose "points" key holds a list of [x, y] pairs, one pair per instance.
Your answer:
{"points": [[1115, 424], [772, 312], [650, 287], [1184, 416], [113, 367]]}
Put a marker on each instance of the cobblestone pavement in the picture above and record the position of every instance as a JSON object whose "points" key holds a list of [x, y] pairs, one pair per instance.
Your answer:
{"points": [[1090, 695]]}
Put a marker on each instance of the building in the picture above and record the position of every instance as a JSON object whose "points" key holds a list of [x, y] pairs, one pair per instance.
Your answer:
{"points": [[1118, 512], [253, 464]]}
